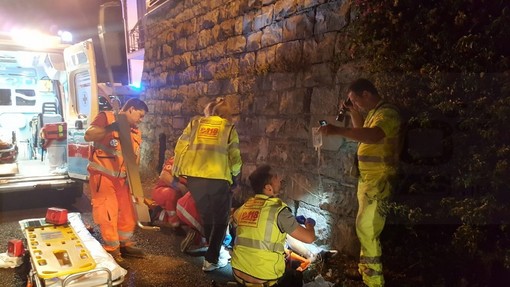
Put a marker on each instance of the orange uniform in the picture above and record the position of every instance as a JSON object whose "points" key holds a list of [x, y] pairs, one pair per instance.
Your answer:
{"points": [[112, 207]]}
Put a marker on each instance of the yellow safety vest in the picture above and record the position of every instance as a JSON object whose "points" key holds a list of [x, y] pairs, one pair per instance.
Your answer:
{"points": [[208, 148], [105, 156], [259, 245], [383, 155]]}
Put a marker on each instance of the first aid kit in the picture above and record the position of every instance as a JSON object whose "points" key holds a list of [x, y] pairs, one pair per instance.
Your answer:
{"points": [[57, 216]]}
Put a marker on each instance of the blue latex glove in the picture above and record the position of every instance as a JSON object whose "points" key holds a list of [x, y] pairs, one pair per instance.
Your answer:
{"points": [[301, 219], [310, 221]]}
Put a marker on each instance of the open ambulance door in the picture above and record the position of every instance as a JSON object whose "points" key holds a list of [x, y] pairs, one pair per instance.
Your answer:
{"points": [[81, 104]]}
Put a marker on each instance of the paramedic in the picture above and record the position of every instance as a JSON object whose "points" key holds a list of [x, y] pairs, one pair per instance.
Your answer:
{"points": [[112, 207], [263, 223], [377, 158], [207, 154]]}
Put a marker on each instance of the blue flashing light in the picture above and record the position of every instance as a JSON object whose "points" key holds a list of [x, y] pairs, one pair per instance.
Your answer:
{"points": [[136, 86]]}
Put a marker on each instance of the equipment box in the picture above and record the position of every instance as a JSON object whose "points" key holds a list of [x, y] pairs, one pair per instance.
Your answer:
{"points": [[54, 131]]}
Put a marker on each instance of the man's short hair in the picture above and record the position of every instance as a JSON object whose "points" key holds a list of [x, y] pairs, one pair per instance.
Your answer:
{"points": [[360, 85], [137, 104], [260, 177]]}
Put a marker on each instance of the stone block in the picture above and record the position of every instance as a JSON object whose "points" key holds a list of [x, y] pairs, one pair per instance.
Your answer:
{"points": [[205, 39], [298, 27], [247, 63], [272, 34], [296, 129], [248, 22], [253, 42], [312, 3], [319, 75], [291, 102], [331, 16], [238, 26], [344, 237], [265, 59], [235, 45], [229, 11], [284, 9], [282, 81], [209, 20], [264, 19], [319, 51], [266, 104], [289, 56], [227, 29]]}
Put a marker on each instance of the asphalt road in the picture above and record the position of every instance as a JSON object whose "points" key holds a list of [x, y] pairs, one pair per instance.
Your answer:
{"points": [[164, 264]]}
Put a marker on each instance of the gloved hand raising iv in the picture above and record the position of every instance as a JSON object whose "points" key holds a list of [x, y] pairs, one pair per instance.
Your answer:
{"points": [[303, 220], [300, 219]]}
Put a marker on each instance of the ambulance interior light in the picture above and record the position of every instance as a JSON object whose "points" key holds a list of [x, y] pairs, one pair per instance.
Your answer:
{"points": [[34, 39]]}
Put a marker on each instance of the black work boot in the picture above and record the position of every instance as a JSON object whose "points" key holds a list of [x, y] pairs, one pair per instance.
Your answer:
{"points": [[118, 258], [131, 251]]}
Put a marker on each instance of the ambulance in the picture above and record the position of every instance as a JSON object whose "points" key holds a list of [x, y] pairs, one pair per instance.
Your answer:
{"points": [[49, 94]]}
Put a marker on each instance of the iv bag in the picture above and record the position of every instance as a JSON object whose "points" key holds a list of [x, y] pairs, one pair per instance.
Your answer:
{"points": [[316, 137]]}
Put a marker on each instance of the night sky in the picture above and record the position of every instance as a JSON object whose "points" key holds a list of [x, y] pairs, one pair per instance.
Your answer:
{"points": [[80, 17]]}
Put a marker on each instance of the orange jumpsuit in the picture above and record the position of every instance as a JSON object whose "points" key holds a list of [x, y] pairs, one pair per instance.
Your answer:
{"points": [[112, 208]]}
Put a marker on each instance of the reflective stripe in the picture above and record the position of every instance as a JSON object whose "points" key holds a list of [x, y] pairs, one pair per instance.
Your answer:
{"points": [[261, 245], [185, 137], [190, 218], [371, 158], [370, 260], [372, 272], [107, 150], [125, 235], [271, 217], [113, 244], [207, 147], [113, 173]]}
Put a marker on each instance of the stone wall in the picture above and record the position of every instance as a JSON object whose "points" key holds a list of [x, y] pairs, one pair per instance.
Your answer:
{"points": [[276, 62]]}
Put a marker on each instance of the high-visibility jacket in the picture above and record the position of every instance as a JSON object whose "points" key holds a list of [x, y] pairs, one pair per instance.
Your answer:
{"points": [[208, 148], [106, 155], [383, 155], [259, 244]]}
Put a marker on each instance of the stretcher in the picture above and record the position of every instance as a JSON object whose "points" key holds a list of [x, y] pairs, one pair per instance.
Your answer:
{"points": [[68, 255]]}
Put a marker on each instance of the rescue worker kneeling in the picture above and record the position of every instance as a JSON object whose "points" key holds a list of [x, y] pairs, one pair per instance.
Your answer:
{"points": [[263, 222], [165, 194]]}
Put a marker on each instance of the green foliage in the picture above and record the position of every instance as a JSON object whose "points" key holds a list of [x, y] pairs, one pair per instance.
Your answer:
{"points": [[450, 61]]}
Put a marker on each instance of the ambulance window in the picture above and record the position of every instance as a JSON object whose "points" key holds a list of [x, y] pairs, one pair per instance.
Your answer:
{"points": [[82, 92], [25, 97], [5, 97], [79, 59]]}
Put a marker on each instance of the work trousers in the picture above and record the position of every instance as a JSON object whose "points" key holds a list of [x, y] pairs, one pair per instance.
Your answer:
{"points": [[213, 199], [112, 210], [373, 191]]}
